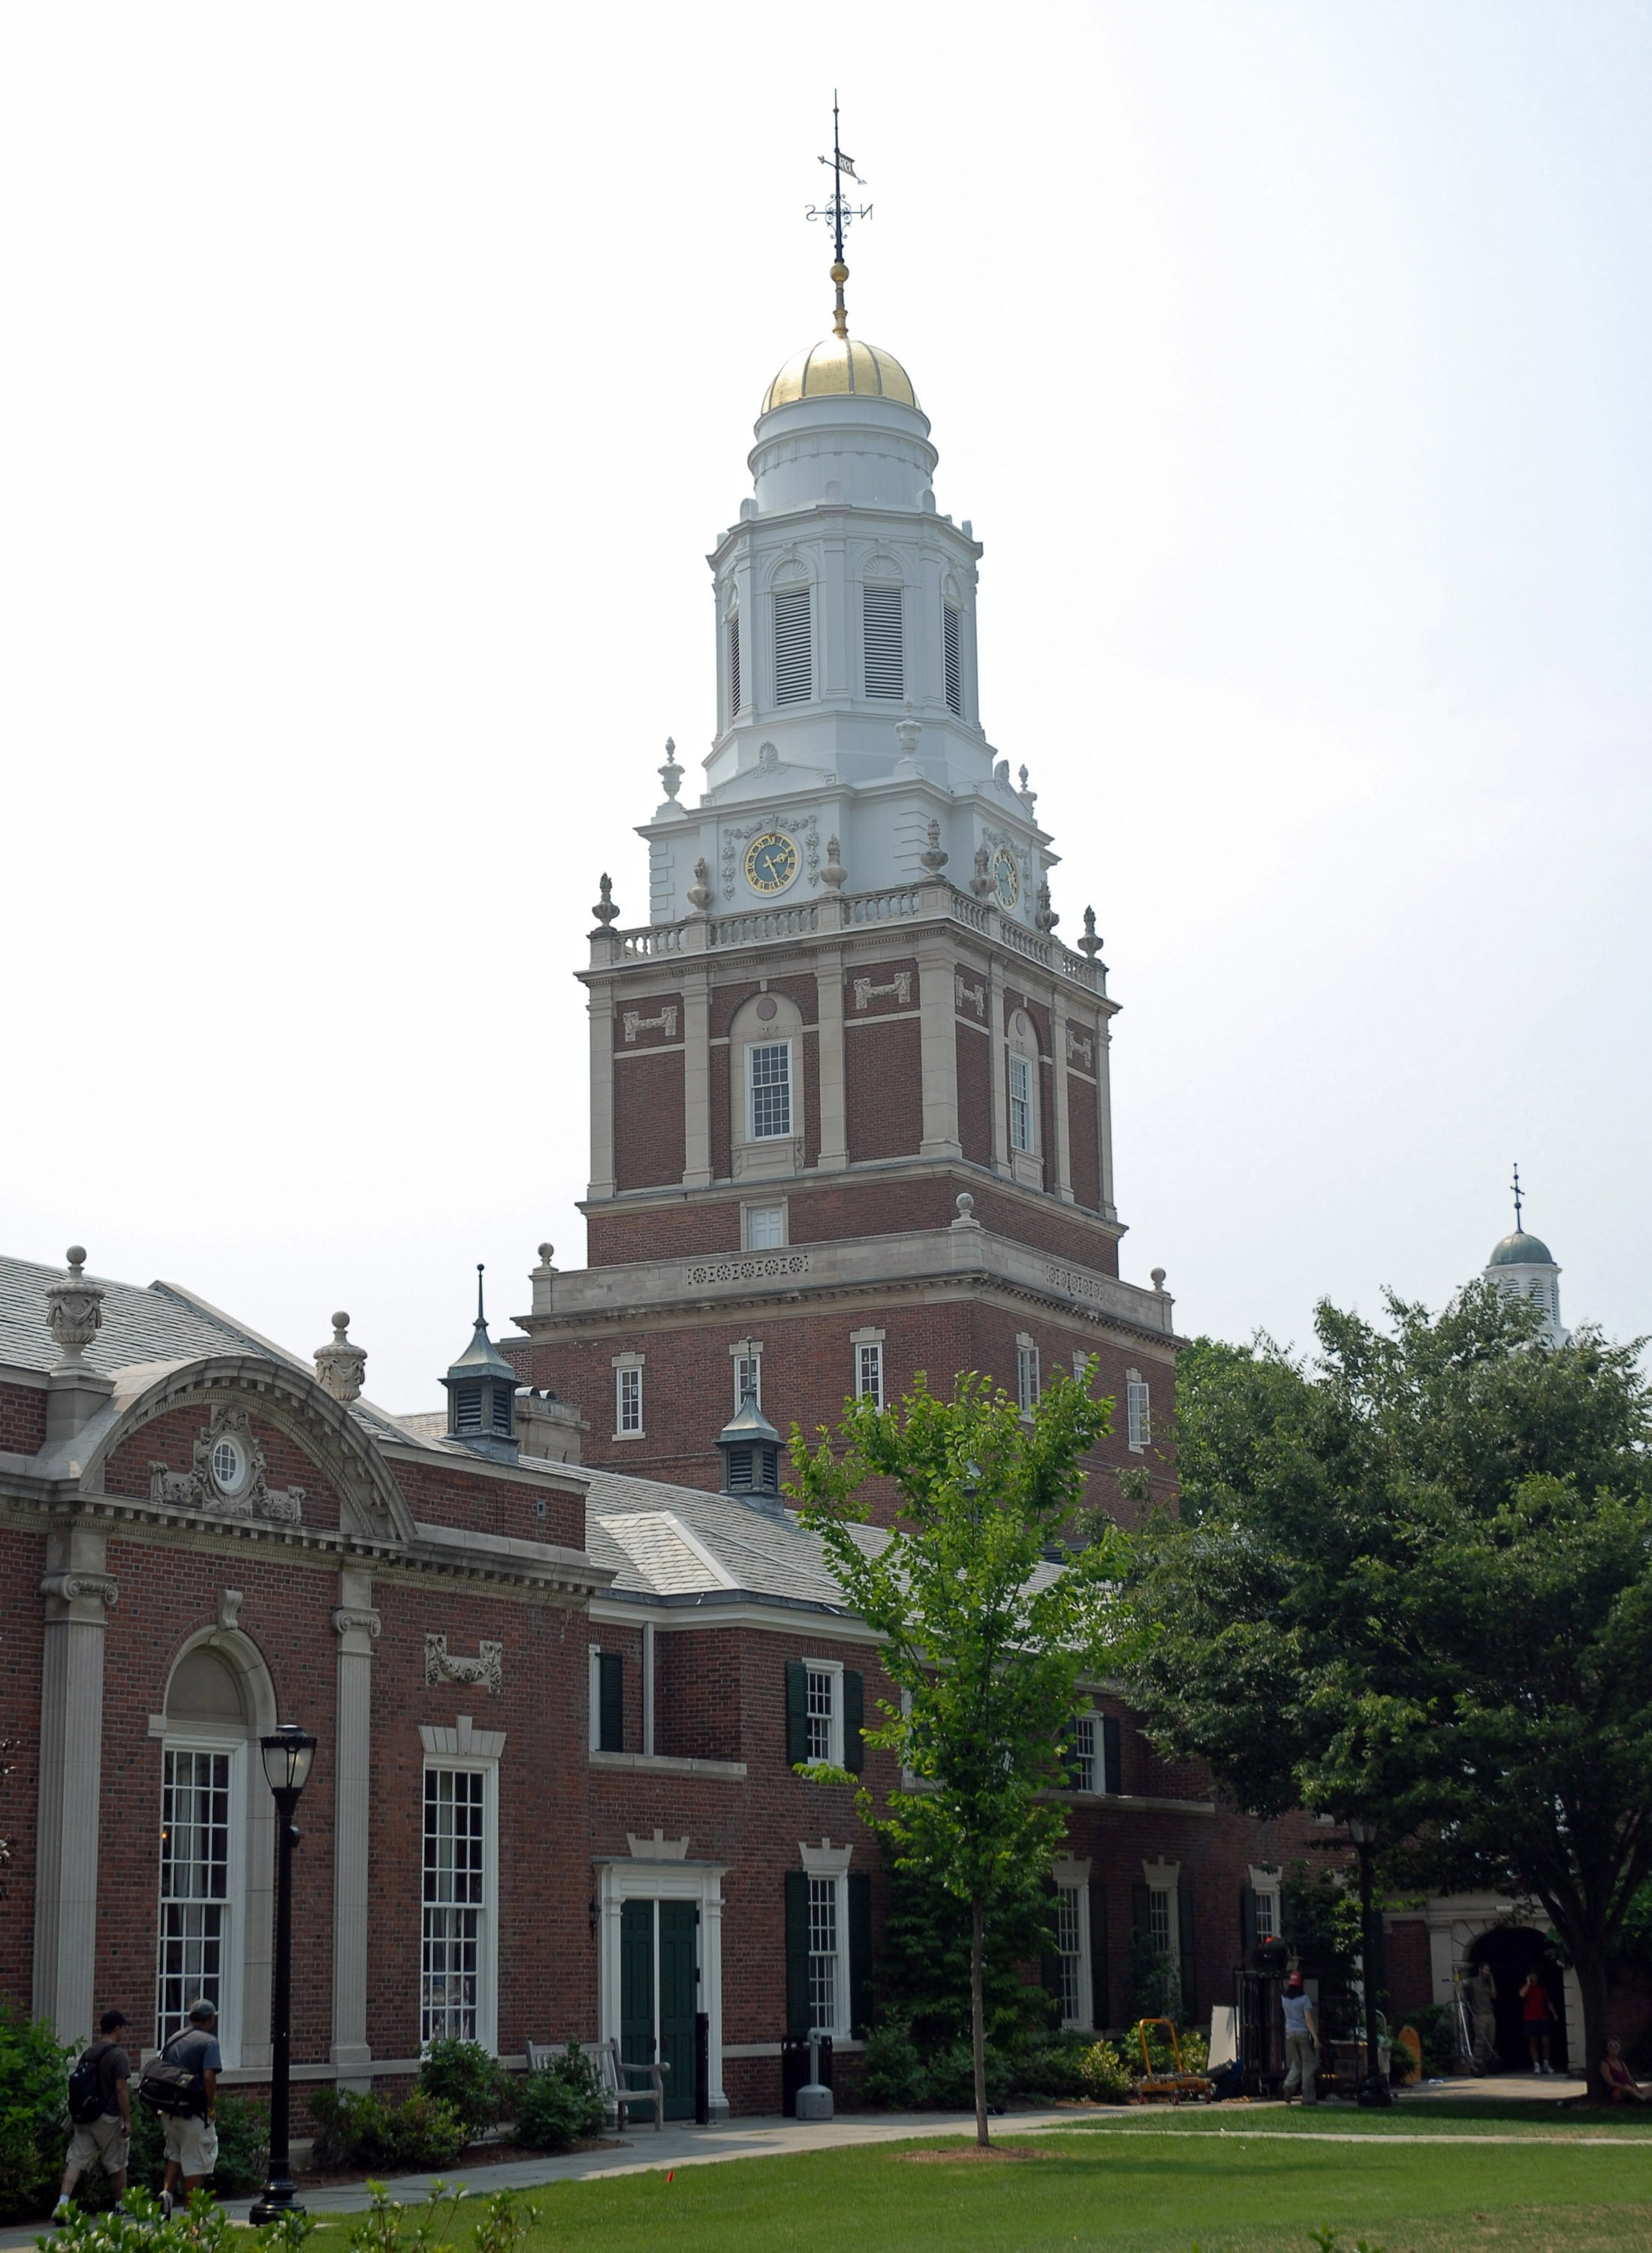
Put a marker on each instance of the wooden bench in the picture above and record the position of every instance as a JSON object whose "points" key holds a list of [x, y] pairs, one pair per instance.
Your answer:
{"points": [[620, 2100]]}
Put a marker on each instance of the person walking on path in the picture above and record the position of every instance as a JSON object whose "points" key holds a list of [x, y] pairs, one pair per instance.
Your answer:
{"points": [[1480, 1991], [103, 2134], [191, 2138], [1535, 2011], [1302, 2042]]}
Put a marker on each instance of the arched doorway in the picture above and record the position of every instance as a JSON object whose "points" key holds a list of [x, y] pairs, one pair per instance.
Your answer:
{"points": [[1511, 1951]]}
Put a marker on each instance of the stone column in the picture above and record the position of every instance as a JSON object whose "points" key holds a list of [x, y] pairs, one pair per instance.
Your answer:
{"points": [[78, 1596], [834, 1135], [938, 1048], [1104, 1118], [1058, 1096], [1001, 1075], [696, 991], [711, 1988], [601, 1006], [357, 1625]]}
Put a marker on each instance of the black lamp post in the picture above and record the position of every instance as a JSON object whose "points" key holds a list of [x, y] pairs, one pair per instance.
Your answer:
{"points": [[287, 1758], [1374, 2090]]}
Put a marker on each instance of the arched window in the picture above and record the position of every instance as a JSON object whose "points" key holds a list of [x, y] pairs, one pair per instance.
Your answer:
{"points": [[765, 1058]]}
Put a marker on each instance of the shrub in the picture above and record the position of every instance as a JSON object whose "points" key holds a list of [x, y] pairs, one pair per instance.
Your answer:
{"points": [[243, 2151], [555, 2108], [34, 2114], [949, 2078], [1195, 2051], [1436, 2025], [1052, 2068], [462, 2074], [892, 2070], [201, 2227], [1106, 2076], [358, 2128]]}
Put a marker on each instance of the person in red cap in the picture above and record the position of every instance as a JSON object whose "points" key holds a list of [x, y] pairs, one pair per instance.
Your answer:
{"points": [[1302, 2042]]}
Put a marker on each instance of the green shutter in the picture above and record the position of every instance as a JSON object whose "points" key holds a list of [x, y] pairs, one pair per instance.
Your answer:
{"points": [[1099, 2013], [853, 1721], [1247, 1922], [610, 1702], [797, 1954], [1184, 1934], [860, 1949], [1141, 1922], [1111, 1766], [797, 1717]]}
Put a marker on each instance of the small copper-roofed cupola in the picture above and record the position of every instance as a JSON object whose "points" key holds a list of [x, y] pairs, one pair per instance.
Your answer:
{"points": [[750, 1448], [481, 1389]]}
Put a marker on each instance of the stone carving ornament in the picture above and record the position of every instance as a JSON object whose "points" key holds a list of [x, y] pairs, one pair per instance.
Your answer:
{"points": [[665, 1022], [900, 986], [340, 1367], [801, 826], [74, 1310], [228, 1479], [484, 1671]]}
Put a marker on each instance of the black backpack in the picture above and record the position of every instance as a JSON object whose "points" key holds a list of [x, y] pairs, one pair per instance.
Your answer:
{"points": [[171, 2088], [86, 2084]]}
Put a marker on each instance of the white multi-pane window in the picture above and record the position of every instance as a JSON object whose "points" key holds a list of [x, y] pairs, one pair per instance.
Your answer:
{"points": [[197, 1884], [454, 1905], [769, 1089], [793, 662], [747, 1379], [1162, 1906], [1084, 1753], [1020, 1104], [950, 637], [825, 1931], [1069, 1946], [824, 1742], [1139, 1412], [1026, 1376], [1267, 1916], [881, 619], [628, 1397], [766, 1227], [869, 1370]]}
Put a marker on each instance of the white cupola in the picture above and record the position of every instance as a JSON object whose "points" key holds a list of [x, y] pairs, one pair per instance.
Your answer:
{"points": [[1523, 1266]]}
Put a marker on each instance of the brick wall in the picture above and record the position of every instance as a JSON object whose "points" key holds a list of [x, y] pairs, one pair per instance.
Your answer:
{"points": [[23, 1559], [649, 1124], [22, 1418], [1084, 1141], [1410, 1965], [441, 1495], [974, 1091], [883, 1092]]}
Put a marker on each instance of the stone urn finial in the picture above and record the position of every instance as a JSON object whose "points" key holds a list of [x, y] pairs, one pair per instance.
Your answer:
{"points": [[701, 895], [1047, 917], [834, 876], [965, 1204], [981, 883], [671, 774], [339, 1365], [934, 859], [604, 911], [1089, 944], [907, 731], [73, 1309]]}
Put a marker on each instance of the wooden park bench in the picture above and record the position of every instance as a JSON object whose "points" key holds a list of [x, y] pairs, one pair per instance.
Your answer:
{"points": [[620, 2100]]}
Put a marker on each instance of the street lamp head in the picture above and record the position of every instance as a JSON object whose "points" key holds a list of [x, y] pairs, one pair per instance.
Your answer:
{"points": [[287, 1758], [1361, 1830]]}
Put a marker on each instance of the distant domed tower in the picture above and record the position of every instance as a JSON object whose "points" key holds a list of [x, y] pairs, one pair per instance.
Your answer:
{"points": [[1523, 1266]]}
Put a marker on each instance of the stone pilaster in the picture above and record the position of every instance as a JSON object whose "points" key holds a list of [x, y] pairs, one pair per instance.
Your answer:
{"points": [[1103, 1117], [939, 1051], [357, 1625], [696, 991], [1001, 1072], [78, 1594], [835, 1133], [1063, 1181], [600, 1005]]}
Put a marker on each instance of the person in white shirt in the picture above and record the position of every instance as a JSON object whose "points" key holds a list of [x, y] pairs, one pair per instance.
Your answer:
{"points": [[1302, 2042]]}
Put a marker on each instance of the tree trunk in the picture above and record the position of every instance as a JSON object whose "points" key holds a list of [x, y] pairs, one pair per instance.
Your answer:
{"points": [[1593, 1986], [977, 2014]]}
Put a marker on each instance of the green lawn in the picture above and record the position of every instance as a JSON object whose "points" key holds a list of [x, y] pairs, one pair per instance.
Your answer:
{"points": [[1131, 2190], [1458, 2117]]}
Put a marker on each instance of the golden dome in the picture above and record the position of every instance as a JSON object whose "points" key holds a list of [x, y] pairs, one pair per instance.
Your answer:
{"points": [[837, 364]]}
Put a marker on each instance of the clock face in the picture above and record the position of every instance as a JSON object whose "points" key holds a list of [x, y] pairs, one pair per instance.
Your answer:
{"points": [[1006, 879], [772, 861]]}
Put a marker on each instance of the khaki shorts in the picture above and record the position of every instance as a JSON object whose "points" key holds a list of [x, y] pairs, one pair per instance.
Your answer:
{"points": [[104, 2140], [193, 2143]]}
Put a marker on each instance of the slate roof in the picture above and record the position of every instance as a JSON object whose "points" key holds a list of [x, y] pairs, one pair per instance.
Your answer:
{"points": [[164, 1323], [733, 1549]]}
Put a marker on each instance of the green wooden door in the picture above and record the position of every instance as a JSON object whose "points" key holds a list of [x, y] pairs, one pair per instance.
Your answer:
{"points": [[637, 1980], [678, 2000]]}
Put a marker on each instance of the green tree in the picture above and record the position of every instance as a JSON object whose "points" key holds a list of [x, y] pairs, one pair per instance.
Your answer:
{"points": [[1414, 1578], [990, 1610]]}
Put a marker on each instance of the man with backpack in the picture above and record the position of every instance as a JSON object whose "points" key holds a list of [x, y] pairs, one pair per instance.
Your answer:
{"points": [[101, 2108], [188, 2117]]}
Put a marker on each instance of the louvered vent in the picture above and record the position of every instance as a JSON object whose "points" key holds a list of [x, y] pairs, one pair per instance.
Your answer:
{"points": [[502, 1406], [740, 1470], [792, 670], [734, 666], [881, 613], [467, 1408], [954, 669]]}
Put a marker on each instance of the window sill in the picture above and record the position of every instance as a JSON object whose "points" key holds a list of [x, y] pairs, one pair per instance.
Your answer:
{"points": [[670, 1764], [630, 1435]]}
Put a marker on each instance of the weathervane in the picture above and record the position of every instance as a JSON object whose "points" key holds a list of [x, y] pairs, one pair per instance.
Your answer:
{"points": [[838, 215], [1518, 1200]]}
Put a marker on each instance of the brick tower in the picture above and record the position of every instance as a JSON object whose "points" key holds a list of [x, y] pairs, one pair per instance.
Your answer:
{"points": [[849, 1092]]}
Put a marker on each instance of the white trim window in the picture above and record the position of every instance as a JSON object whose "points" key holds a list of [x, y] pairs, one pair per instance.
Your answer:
{"points": [[825, 1952], [628, 1396], [1086, 1761], [768, 1090], [457, 1939], [824, 1712], [766, 1227], [1161, 1919], [1138, 1411], [1027, 1385], [1020, 1104], [1076, 1986], [868, 1348], [748, 1364], [202, 1885], [1264, 1895]]}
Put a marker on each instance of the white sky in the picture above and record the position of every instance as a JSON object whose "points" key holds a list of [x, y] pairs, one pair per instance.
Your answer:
{"points": [[377, 380]]}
